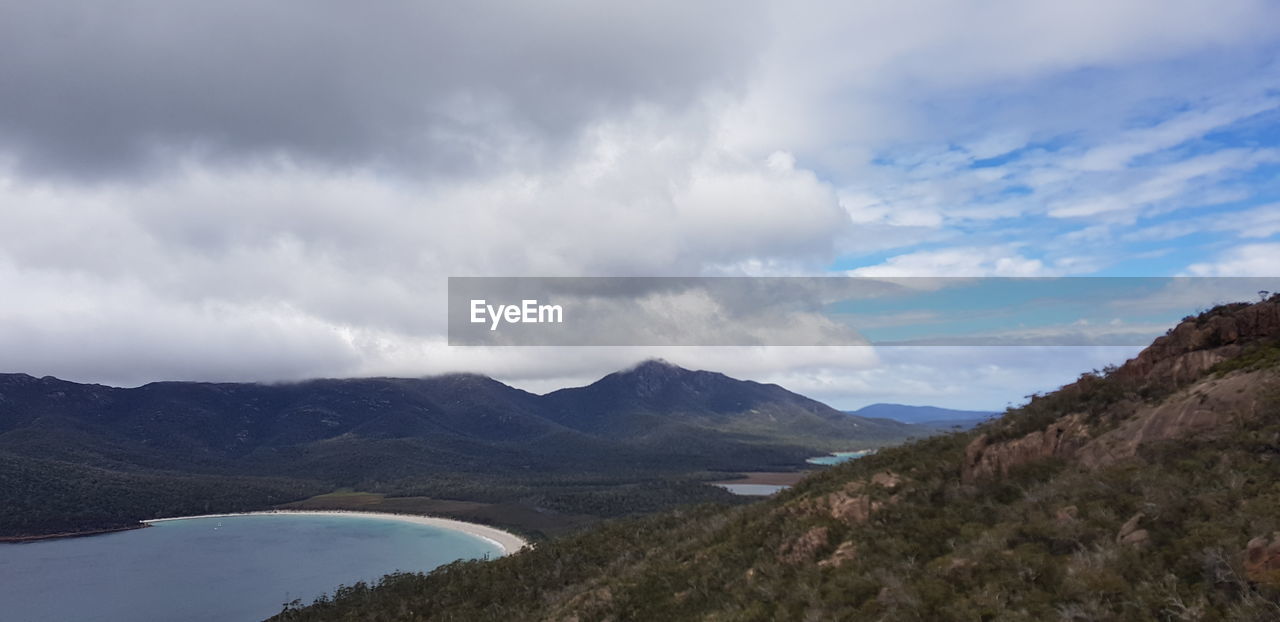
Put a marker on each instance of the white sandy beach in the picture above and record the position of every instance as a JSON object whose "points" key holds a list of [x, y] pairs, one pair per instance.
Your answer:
{"points": [[505, 540]]}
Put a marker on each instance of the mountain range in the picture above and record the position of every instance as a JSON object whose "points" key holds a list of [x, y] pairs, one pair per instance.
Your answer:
{"points": [[463, 436], [928, 416]]}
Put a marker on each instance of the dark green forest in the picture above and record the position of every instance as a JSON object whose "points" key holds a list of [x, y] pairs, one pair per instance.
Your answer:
{"points": [[83, 458]]}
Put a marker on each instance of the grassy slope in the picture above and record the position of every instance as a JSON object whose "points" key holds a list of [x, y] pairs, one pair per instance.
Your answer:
{"points": [[1041, 543], [944, 551]]}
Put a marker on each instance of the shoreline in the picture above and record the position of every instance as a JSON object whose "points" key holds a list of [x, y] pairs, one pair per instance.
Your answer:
{"points": [[69, 534], [840, 457], [506, 541], [767, 478]]}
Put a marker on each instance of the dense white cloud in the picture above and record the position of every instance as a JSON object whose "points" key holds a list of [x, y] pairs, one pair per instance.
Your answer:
{"points": [[242, 191], [1246, 260], [95, 90]]}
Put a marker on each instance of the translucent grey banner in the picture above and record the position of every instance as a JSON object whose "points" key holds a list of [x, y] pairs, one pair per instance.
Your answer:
{"points": [[831, 311]]}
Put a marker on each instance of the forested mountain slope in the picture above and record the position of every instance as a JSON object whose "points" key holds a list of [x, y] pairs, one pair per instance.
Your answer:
{"points": [[924, 415], [1145, 492], [657, 403], [78, 457]]}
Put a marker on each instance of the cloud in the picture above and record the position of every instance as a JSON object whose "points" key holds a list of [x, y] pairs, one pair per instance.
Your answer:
{"points": [[426, 89], [360, 261], [1121, 151], [871, 74], [1257, 222], [1248, 260], [74, 326], [968, 262], [1156, 185], [979, 378], [272, 191]]}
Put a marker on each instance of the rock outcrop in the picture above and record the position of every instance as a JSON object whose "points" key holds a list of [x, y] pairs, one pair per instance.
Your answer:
{"points": [[804, 547], [1262, 560], [845, 553], [1196, 344], [982, 458], [1067, 514], [1178, 362], [1203, 407], [854, 503], [852, 508], [1130, 534]]}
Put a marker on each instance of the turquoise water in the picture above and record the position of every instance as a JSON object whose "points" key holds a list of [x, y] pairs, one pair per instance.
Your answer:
{"points": [[214, 569], [839, 456]]}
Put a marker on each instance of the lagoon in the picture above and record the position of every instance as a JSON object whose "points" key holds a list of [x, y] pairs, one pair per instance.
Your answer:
{"points": [[217, 569], [753, 490], [839, 457]]}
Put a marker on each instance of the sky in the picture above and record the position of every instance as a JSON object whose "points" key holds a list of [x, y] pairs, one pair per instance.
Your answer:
{"points": [[240, 191]]}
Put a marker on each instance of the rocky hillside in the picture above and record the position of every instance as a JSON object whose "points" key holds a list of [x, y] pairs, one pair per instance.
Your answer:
{"points": [[1166, 392], [1144, 492]]}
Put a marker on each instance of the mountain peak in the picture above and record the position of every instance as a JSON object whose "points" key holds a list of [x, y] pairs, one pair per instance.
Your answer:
{"points": [[655, 366], [652, 377], [463, 378], [1200, 341]]}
